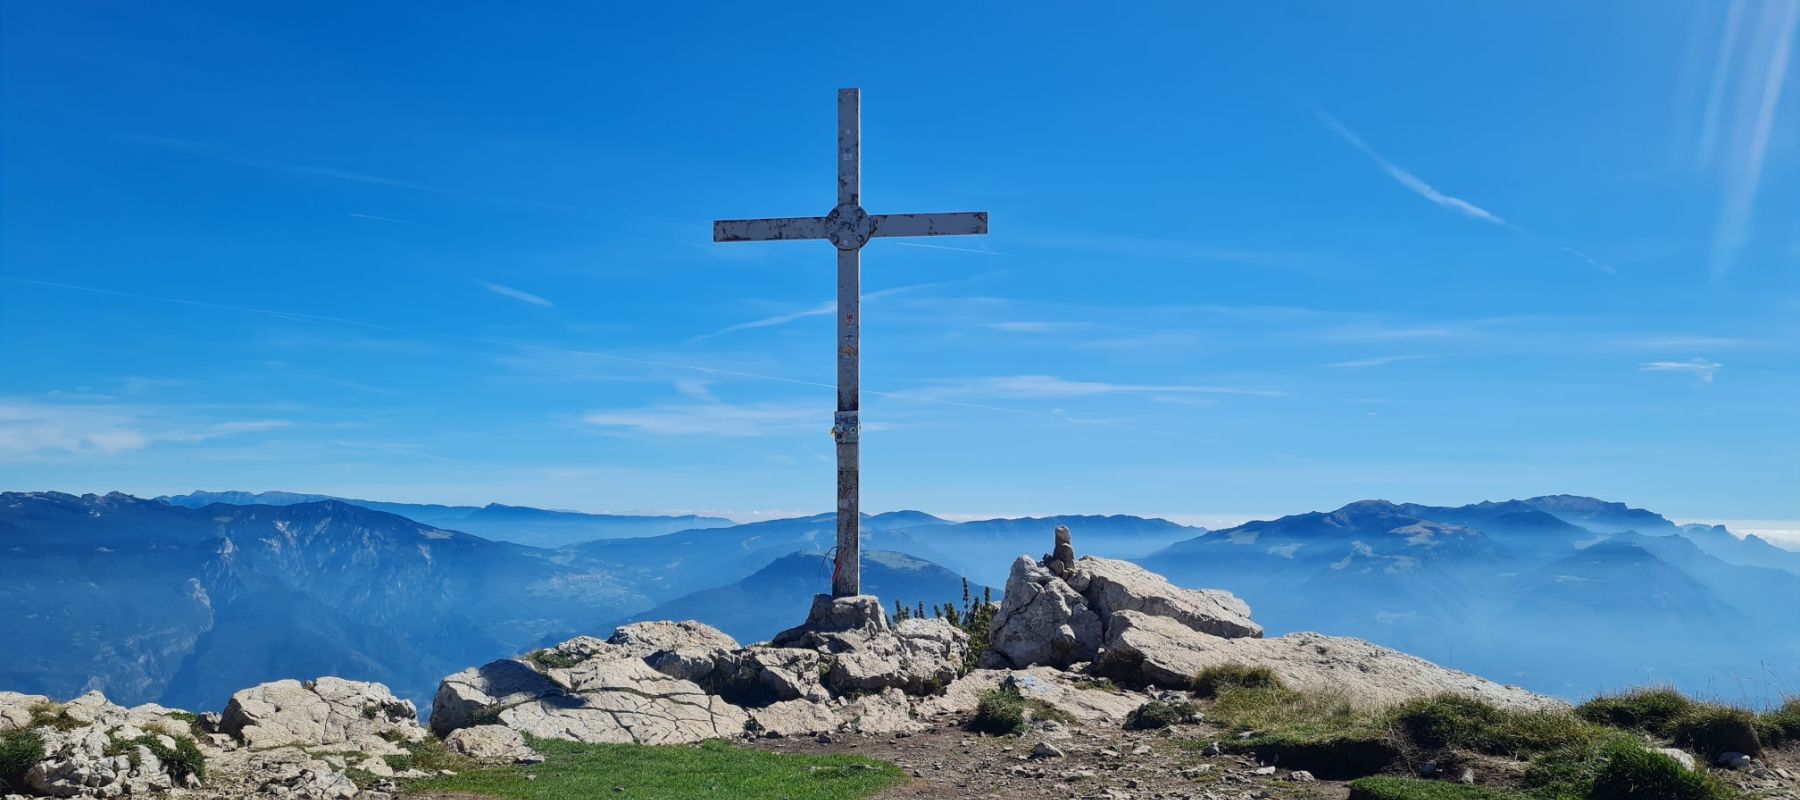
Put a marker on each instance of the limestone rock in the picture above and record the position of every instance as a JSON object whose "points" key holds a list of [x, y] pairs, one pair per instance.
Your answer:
{"points": [[1679, 756], [861, 614], [1042, 620], [482, 691], [1061, 560], [1164, 652], [15, 709], [323, 713], [782, 673], [490, 743], [644, 638], [1111, 586], [612, 701], [793, 718], [886, 712]]}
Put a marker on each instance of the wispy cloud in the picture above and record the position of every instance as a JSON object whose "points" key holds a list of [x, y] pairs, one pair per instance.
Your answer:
{"points": [[1050, 387], [374, 218], [1412, 182], [1698, 367], [1418, 186], [33, 428], [976, 250], [521, 296], [220, 153], [1378, 361], [1026, 326], [824, 309], [714, 419], [1758, 55]]}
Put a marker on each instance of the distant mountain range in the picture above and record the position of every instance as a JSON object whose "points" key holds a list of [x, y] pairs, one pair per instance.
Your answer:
{"points": [[519, 524], [182, 599], [1562, 594]]}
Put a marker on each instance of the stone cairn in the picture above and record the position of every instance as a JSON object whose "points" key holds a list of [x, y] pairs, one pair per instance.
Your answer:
{"points": [[1061, 561]]}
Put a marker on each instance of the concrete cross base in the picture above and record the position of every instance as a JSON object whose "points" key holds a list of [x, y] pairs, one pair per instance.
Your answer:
{"points": [[860, 612]]}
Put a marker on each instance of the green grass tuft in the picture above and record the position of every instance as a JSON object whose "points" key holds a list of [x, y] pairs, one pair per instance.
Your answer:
{"points": [[1003, 711], [428, 754], [1315, 731], [1711, 730], [714, 769], [1630, 772], [1159, 714], [1209, 682], [1782, 724], [1461, 722], [52, 715], [1390, 788], [20, 748], [1648, 710]]}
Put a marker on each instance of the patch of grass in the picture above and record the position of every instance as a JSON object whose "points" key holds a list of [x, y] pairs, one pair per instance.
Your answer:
{"points": [[1390, 788], [1458, 721], [1782, 724], [1316, 731], [20, 748], [180, 761], [550, 659], [1209, 682], [713, 769], [1160, 714], [429, 755], [1631, 772], [1648, 710], [1711, 730], [1100, 685], [52, 715]]}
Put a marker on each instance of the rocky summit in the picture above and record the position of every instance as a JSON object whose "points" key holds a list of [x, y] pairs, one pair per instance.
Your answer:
{"points": [[1082, 647]]}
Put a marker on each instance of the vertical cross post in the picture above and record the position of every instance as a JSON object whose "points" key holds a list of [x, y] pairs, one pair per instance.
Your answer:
{"points": [[846, 575], [848, 227]]}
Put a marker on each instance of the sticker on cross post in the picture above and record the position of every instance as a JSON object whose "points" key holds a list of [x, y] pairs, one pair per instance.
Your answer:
{"points": [[846, 427]]}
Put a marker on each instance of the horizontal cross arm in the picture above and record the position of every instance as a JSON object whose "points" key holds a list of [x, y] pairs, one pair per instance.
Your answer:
{"points": [[959, 223], [762, 230]]}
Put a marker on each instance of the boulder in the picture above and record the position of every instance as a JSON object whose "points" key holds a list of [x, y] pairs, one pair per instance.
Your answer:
{"points": [[480, 692], [618, 700], [858, 614], [779, 673], [15, 709], [1162, 651], [1111, 586], [885, 712], [645, 638], [328, 712], [1077, 695], [82, 759], [489, 743], [1042, 620], [792, 718]]}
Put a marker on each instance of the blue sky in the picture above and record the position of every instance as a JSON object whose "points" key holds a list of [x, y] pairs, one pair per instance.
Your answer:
{"points": [[1246, 259]]}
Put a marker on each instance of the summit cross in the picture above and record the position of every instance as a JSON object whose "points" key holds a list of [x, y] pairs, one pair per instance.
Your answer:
{"points": [[849, 227]]}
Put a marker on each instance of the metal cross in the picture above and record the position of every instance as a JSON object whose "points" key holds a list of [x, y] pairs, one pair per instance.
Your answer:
{"points": [[849, 227]]}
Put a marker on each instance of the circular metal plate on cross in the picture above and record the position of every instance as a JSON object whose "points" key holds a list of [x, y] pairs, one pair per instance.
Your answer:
{"points": [[849, 227]]}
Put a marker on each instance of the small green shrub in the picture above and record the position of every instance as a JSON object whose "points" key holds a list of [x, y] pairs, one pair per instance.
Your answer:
{"points": [[999, 712], [550, 659], [1160, 714], [1649, 710], [1389, 788], [20, 748], [1630, 772], [1100, 685], [1782, 724], [182, 760], [1210, 681], [429, 755], [1711, 730], [1320, 732]]}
